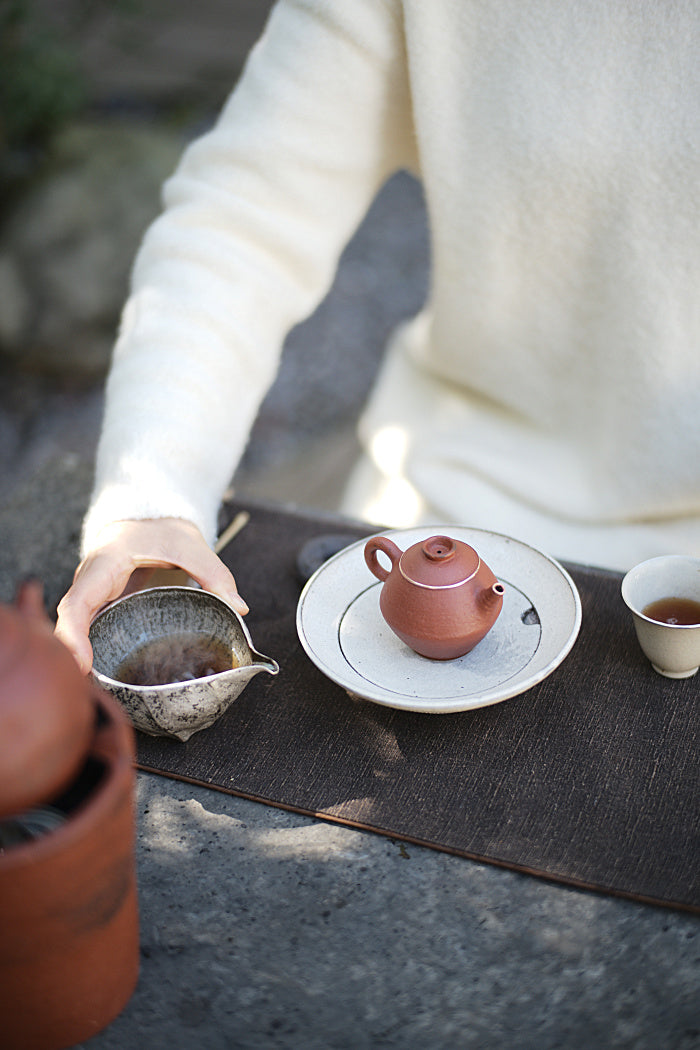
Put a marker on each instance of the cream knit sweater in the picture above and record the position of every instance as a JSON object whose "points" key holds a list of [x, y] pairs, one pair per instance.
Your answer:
{"points": [[551, 388]]}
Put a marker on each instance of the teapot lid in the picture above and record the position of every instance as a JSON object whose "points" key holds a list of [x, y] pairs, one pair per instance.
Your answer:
{"points": [[439, 561], [46, 712]]}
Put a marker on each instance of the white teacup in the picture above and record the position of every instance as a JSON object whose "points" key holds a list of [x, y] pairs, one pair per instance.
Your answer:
{"points": [[672, 647]]}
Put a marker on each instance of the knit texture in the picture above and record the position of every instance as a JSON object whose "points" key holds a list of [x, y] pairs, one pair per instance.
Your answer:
{"points": [[550, 389]]}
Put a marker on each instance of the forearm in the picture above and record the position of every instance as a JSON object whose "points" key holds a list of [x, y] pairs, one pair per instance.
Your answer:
{"points": [[255, 219]]}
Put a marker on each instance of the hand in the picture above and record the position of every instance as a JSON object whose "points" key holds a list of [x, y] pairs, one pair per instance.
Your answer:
{"points": [[129, 551]]}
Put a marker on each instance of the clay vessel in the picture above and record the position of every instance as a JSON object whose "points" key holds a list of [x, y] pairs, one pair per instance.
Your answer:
{"points": [[439, 597], [47, 714], [69, 951]]}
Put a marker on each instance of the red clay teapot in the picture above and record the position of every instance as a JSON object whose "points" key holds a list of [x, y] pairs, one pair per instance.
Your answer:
{"points": [[439, 597]]}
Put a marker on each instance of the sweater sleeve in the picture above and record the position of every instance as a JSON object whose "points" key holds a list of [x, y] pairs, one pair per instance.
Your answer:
{"points": [[254, 220]]}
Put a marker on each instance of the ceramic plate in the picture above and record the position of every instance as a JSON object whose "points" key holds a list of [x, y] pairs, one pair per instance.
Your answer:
{"points": [[343, 632]]}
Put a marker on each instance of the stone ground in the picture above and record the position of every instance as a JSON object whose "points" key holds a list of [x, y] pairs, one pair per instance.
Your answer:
{"points": [[265, 929]]}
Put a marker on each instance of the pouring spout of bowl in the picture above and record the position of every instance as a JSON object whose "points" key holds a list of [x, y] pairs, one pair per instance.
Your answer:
{"points": [[264, 663], [232, 682]]}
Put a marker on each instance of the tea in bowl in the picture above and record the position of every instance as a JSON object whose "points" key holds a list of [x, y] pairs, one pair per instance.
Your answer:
{"points": [[174, 657], [663, 595]]}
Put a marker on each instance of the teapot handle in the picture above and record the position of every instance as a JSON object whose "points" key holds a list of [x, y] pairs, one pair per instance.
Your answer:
{"points": [[388, 547]]}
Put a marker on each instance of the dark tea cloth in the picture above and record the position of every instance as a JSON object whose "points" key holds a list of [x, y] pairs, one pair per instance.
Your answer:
{"points": [[590, 778]]}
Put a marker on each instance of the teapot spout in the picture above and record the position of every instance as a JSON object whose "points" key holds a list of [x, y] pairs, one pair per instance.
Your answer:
{"points": [[490, 598]]}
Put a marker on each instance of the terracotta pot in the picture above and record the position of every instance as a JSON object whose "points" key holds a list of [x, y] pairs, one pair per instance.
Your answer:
{"points": [[439, 597], [69, 949]]}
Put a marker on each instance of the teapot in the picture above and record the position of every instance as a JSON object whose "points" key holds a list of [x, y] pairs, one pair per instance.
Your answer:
{"points": [[439, 597]]}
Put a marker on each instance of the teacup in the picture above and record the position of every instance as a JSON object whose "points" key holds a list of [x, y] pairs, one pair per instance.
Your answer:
{"points": [[663, 595]]}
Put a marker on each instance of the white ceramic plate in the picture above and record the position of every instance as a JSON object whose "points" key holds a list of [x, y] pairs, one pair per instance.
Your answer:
{"points": [[343, 632]]}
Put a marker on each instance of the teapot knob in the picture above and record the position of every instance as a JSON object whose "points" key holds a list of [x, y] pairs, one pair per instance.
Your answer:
{"points": [[388, 547], [439, 548]]}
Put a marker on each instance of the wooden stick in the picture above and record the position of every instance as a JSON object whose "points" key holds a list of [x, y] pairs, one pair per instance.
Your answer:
{"points": [[231, 530], [178, 577]]}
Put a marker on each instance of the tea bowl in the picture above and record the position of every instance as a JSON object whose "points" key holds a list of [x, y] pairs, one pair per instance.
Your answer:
{"points": [[672, 648], [175, 618]]}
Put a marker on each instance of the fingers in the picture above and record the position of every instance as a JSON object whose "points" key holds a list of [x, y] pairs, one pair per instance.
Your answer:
{"points": [[97, 581], [128, 551], [181, 545]]}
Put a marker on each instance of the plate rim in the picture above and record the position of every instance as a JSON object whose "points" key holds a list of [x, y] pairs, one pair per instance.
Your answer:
{"points": [[471, 701]]}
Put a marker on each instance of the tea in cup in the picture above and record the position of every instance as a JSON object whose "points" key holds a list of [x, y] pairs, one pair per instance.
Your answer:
{"points": [[663, 595]]}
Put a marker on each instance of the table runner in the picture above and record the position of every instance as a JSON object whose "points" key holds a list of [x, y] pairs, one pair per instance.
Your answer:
{"points": [[590, 778]]}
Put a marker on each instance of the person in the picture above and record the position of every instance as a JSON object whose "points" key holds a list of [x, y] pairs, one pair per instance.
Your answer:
{"points": [[548, 390]]}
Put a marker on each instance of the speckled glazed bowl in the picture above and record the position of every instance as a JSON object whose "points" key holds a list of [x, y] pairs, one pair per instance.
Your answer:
{"points": [[174, 619]]}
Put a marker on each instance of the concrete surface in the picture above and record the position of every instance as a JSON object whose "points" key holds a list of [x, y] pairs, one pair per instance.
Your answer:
{"points": [[263, 929]]}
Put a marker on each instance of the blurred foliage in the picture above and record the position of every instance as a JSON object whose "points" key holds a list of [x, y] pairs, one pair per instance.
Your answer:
{"points": [[42, 83]]}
